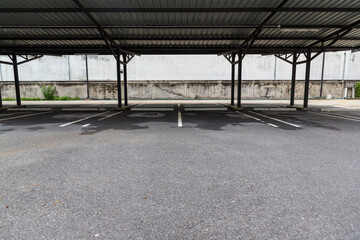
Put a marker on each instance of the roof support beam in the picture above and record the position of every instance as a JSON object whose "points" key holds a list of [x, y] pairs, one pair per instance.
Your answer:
{"points": [[111, 44], [331, 39], [108, 40], [169, 10], [251, 39], [154, 49], [157, 38], [245, 26]]}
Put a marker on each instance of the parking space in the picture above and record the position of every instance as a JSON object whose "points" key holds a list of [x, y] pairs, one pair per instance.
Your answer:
{"points": [[202, 116], [180, 172]]}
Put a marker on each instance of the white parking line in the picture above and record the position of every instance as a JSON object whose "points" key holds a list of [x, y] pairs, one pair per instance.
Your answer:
{"points": [[275, 119], [82, 119], [259, 120], [86, 125], [179, 118], [206, 109], [23, 116], [109, 116], [336, 116], [342, 115]]}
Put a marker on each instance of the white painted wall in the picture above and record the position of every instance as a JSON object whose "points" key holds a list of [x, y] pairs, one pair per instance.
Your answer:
{"points": [[181, 67]]}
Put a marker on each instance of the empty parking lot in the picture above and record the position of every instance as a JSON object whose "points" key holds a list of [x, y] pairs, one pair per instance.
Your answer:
{"points": [[179, 171]]}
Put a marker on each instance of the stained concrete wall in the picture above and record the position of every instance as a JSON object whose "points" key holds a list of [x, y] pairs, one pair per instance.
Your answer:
{"points": [[180, 76], [339, 65], [176, 89]]}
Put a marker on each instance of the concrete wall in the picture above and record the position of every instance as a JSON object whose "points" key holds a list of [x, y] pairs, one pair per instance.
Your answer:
{"points": [[339, 65], [180, 76], [178, 89]]}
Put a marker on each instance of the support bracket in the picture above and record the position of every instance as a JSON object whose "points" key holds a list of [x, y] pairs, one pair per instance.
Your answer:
{"points": [[128, 58], [285, 57], [27, 58]]}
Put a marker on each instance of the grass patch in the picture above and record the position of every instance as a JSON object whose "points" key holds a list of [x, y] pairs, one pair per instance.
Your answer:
{"points": [[357, 90], [56, 98], [65, 98], [24, 99]]}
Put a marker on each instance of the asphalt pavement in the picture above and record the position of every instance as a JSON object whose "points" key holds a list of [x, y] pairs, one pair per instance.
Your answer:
{"points": [[179, 172]]}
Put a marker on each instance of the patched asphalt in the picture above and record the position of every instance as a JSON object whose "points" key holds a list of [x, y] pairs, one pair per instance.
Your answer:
{"points": [[221, 175]]}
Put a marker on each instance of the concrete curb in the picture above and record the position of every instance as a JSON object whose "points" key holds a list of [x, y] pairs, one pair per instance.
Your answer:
{"points": [[234, 108], [338, 110], [64, 109], [200, 109], [152, 109], [34, 109], [280, 109], [83, 109], [276, 109]]}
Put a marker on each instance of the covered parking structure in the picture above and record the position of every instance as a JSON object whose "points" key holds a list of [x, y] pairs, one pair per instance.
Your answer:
{"points": [[124, 29]]}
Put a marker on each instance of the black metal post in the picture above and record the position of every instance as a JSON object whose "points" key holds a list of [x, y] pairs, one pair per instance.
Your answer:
{"points": [[307, 78], [125, 80], [16, 78], [322, 75], [118, 75], [240, 55], [0, 99], [293, 80], [87, 77], [232, 79]]}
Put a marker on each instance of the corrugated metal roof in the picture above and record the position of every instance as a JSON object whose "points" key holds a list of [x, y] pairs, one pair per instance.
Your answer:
{"points": [[160, 26]]}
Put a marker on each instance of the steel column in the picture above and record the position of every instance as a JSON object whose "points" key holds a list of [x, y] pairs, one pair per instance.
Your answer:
{"points": [[118, 77], [232, 79], [0, 99], [322, 75], [307, 78], [293, 80], [125, 80], [16, 78], [87, 77], [240, 55]]}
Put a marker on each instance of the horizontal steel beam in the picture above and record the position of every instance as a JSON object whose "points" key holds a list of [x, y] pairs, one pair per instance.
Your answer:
{"points": [[242, 26], [96, 49], [159, 38], [167, 10]]}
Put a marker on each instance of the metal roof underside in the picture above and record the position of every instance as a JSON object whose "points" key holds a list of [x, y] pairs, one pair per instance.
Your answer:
{"points": [[178, 27]]}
